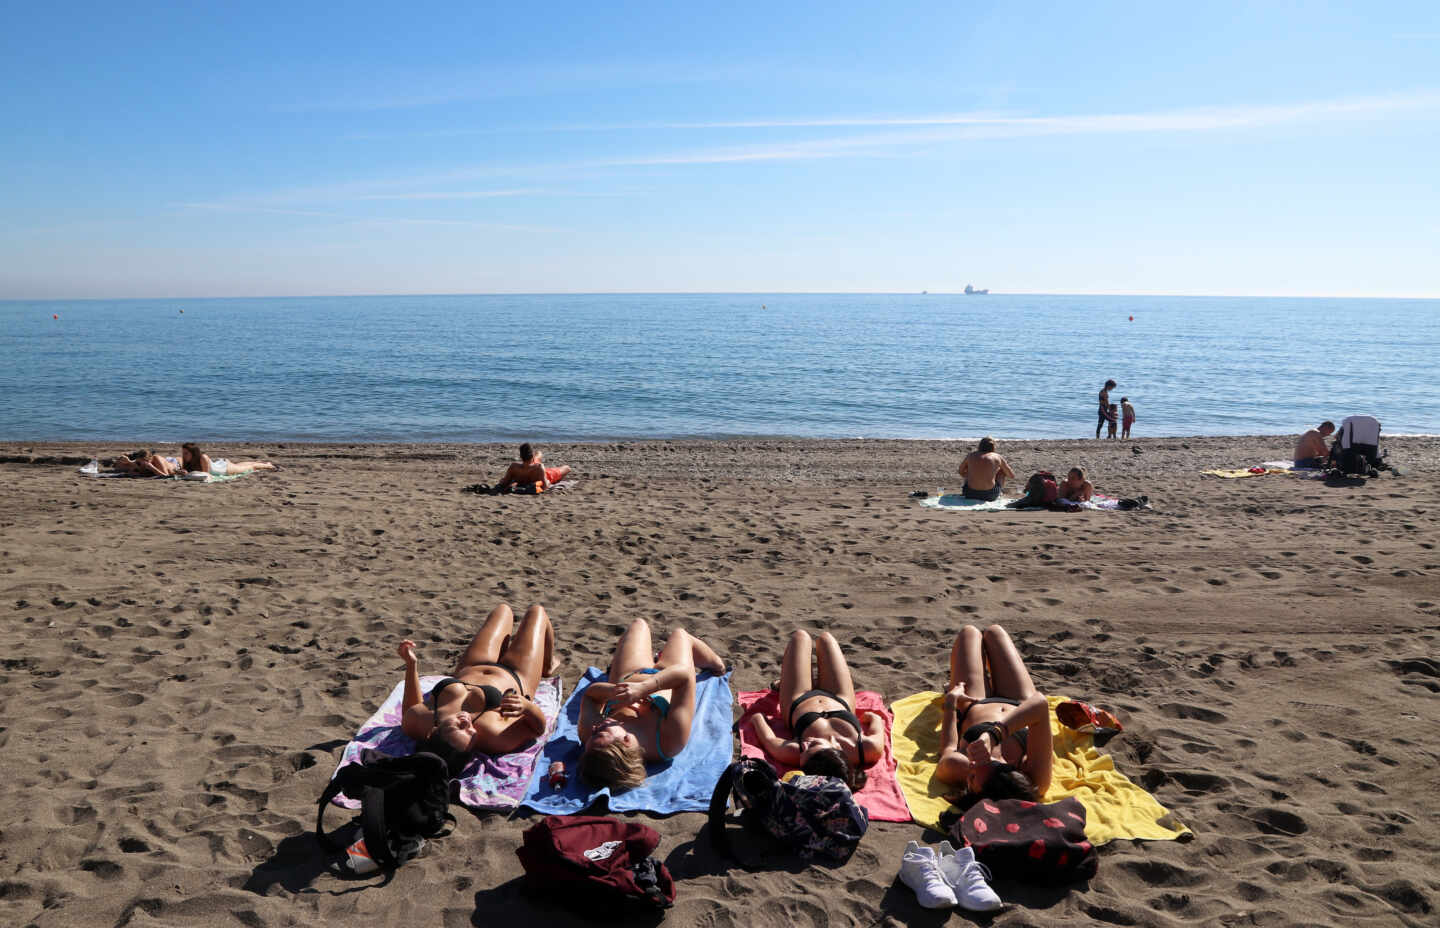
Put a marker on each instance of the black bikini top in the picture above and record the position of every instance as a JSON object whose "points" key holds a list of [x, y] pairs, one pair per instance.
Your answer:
{"points": [[493, 696]]}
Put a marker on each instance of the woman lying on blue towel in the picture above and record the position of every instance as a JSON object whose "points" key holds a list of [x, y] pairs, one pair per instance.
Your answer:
{"points": [[642, 713]]}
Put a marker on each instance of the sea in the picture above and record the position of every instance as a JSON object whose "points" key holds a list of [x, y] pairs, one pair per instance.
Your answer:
{"points": [[604, 367]]}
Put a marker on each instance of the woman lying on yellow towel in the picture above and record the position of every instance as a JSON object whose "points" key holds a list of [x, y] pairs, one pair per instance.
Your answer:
{"points": [[995, 729]]}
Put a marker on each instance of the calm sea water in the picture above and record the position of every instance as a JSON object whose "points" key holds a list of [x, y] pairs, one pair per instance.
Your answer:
{"points": [[555, 367]]}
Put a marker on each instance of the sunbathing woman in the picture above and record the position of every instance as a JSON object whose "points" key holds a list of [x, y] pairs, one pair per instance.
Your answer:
{"points": [[642, 713], [488, 706], [994, 734], [827, 737], [194, 460], [145, 463]]}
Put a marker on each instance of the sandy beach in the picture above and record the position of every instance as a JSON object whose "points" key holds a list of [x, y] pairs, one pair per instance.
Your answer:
{"points": [[184, 662]]}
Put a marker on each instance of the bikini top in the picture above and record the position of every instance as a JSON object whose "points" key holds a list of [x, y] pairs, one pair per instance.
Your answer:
{"points": [[978, 730], [660, 704], [798, 726], [493, 696]]}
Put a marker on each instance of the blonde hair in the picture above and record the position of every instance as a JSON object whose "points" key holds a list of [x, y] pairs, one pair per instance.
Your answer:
{"points": [[617, 765]]}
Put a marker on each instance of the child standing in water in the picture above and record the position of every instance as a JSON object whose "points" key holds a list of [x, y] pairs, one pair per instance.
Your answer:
{"points": [[1128, 415], [1112, 418]]}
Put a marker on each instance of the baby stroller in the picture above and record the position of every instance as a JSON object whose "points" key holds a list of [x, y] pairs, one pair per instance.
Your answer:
{"points": [[1356, 450]]}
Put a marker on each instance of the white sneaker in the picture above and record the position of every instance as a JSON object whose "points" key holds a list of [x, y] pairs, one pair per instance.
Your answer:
{"points": [[919, 870], [967, 877]]}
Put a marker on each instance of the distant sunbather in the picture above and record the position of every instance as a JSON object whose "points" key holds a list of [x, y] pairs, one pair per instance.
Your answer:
{"points": [[193, 460], [145, 463], [994, 733], [1075, 487], [826, 736], [984, 472], [488, 706], [530, 469], [642, 712], [1311, 450]]}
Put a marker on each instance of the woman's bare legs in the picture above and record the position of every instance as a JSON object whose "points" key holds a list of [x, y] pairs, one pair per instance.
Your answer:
{"points": [[634, 650], [489, 642], [833, 672], [685, 648], [967, 662], [795, 676], [1007, 671], [245, 467], [530, 649]]}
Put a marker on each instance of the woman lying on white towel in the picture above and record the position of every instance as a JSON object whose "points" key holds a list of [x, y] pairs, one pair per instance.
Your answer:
{"points": [[193, 460]]}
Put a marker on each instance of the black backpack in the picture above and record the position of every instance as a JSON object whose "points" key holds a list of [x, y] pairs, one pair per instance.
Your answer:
{"points": [[403, 801]]}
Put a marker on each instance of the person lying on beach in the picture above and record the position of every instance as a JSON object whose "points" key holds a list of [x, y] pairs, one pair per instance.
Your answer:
{"points": [[642, 712], [984, 472], [145, 463], [488, 706], [531, 469], [1311, 450], [994, 733], [1075, 487], [826, 736], [193, 460]]}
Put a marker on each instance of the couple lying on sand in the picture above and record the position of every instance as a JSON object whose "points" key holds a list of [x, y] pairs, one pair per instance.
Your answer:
{"points": [[192, 460], [995, 739]]}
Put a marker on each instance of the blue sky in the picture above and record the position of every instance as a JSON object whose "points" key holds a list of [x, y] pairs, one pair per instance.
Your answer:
{"points": [[274, 149]]}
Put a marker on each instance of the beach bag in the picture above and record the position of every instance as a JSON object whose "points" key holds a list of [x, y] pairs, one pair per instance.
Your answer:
{"points": [[1041, 489], [595, 861], [403, 801], [810, 816], [1030, 841]]}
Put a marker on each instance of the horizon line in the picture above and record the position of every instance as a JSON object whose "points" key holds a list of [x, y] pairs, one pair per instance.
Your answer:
{"points": [[423, 293]]}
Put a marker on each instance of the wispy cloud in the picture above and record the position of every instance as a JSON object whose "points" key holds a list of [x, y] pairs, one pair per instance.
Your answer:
{"points": [[886, 136], [241, 207]]}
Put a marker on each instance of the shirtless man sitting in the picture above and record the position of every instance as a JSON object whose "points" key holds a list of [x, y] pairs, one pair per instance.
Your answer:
{"points": [[529, 469], [984, 472], [1075, 487], [1311, 451]]}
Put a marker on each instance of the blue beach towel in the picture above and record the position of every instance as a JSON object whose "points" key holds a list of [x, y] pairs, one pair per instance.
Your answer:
{"points": [[683, 784]]}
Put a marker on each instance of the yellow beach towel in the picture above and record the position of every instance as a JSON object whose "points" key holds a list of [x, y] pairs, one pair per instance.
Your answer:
{"points": [[1114, 807]]}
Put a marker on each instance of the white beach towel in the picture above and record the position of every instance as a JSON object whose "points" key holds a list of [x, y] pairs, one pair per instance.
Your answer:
{"points": [[955, 501]]}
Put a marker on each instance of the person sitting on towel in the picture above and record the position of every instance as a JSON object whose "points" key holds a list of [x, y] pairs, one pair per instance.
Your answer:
{"points": [[531, 469], [995, 728], [1311, 451], [984, 472], [826, 736], [642, 712], [488, 706]]}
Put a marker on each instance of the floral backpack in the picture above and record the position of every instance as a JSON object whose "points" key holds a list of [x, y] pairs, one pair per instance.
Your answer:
{"points": [[810, 816]]}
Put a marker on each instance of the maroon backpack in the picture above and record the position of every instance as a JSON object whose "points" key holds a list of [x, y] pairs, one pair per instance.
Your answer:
{"points": [[1041, 489], [594, 860], [1022, 840]]}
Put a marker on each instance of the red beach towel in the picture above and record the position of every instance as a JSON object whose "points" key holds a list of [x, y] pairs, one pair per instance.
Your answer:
{"points": [[881, 796]]}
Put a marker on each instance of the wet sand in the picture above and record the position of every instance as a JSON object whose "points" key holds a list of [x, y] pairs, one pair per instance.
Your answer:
{"points": [[183, 663]]}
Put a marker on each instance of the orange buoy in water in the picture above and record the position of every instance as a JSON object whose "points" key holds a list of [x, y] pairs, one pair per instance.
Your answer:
{"points": [[1132, 318], [54, 315]]}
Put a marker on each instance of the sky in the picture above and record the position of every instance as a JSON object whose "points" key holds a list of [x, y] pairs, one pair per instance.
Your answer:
{"points": [[258, 149]]}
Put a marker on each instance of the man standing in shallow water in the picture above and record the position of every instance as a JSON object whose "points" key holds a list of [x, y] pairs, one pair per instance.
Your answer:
{"points": [[984, 471]]}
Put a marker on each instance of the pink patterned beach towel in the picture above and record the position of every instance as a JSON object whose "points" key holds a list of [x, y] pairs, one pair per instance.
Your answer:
{"points": [[487, 782], [881, 796]]}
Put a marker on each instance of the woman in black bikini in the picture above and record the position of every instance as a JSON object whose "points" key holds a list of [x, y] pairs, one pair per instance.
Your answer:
{"points": [[644, 715], [488, 706], [994, 734], [826, 735]]}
